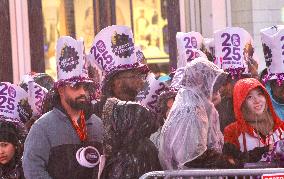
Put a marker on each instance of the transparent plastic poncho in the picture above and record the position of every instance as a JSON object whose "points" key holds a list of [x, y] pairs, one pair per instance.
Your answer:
{"points": [[193, 125]]}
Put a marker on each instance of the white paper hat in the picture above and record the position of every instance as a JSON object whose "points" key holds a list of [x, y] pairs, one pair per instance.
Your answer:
{"points": [[42, 79], [233, 49], [273, 48], [189, 55], [177, 79], [186, 42], [148, 96], [36, 93], [14, 102], [70, 61], [113, 49], [36, 96]]}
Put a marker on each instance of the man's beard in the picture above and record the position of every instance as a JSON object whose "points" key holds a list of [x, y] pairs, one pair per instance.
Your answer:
{"points": [[77, 104]]}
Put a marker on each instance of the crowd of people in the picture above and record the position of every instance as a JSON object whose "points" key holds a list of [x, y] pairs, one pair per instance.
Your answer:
{"points": [[108, 116]]}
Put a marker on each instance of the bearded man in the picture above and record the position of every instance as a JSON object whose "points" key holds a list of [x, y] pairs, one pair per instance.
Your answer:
{"points": [[66, 141]]}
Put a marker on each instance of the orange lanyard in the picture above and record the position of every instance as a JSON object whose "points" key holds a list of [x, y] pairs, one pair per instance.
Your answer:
{"points": [[81, 128]]}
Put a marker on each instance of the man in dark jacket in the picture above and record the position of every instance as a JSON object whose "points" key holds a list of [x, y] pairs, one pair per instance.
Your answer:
{"points": [[128, 125], [66, 141]]}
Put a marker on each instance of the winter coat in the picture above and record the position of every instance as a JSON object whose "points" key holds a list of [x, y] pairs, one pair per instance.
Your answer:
{"points": [[242, 141], [52, 144], [129, 152], [12, 170]]}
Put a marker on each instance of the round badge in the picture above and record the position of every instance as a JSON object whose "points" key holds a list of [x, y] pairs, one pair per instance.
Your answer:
{"points": [[78, 154], [88, 156], [92, 155]]}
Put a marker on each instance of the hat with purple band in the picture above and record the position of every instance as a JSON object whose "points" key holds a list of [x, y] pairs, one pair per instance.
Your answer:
{"points": [[177, 78], [234, 49], [42, 79], [188, 47], [71, 62], [189, 55], [14, 102], [114, 51], [273, 48], [36, 93], [148, 96]]}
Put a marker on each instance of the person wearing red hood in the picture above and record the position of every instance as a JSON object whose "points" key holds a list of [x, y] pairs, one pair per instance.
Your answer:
{"points": [[257, 126]]}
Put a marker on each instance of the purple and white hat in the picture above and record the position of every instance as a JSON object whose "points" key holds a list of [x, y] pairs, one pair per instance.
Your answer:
{"points": [[113, 50], [148, 96], [273, 48], [14, 102], [177, 78], [233, 50], [70, 61], [189, 55], [186, 43], [36, 93]]}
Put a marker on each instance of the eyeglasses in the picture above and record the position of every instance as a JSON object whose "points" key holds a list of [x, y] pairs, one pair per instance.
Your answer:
{"points": [[86, 86]]}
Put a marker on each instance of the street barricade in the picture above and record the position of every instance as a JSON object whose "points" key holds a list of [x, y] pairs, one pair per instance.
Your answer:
{"points": [[264, 173]]}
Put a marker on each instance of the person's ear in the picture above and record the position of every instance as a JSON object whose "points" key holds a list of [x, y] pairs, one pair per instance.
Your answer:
{"points": [[60, 90]]}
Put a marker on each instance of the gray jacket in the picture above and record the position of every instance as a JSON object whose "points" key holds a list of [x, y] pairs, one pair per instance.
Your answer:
{"points": [[51, 146]]}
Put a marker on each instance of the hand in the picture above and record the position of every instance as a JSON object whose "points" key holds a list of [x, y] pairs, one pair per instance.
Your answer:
{"points": [[252, 67]]}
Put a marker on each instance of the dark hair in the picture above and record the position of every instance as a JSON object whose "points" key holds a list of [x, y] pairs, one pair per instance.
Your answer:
{"points": [[220, 81], [44, 80], [163, 98], [13, 132], [51, 100], [208, 54], [108, 82]]}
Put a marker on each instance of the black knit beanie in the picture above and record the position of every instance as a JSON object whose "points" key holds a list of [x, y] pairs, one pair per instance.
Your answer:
{"points": [[8, 133]]}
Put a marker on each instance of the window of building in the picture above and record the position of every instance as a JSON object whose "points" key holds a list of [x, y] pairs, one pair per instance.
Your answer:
{"points": [[148, 20], [72, 18]]}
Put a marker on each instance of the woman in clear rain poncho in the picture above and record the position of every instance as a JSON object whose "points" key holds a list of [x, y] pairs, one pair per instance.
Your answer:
{"points": [[191, 136]]}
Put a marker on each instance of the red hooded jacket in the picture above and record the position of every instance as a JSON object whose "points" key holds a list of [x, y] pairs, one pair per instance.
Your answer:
{"points": [[240, 133]]}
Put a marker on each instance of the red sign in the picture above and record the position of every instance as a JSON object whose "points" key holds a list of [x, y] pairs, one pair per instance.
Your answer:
{"points": [[273, 176]]}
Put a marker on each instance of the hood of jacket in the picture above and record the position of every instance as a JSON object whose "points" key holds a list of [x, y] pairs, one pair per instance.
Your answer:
{"points": [[241, 90]]}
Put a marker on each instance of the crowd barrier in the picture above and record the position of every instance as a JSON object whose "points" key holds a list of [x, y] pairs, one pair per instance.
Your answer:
{"points": [[265, 173]]}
